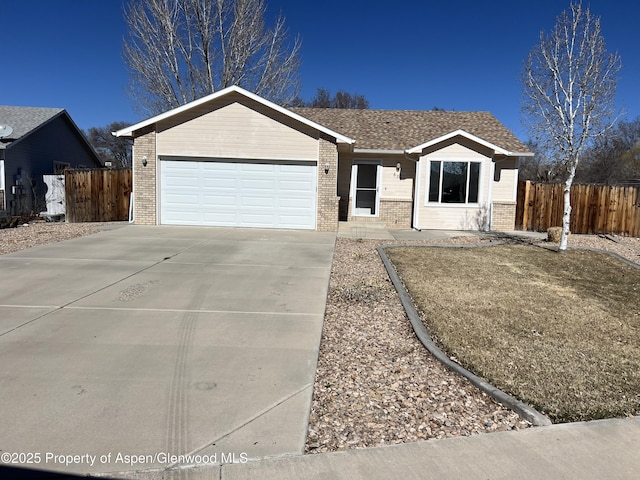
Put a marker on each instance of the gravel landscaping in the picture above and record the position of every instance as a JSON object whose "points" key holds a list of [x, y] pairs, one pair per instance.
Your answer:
{"points": [[40, 233]]}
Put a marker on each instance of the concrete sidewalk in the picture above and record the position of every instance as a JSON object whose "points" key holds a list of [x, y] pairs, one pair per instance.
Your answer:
{"points": [[591, 450], [379, 231]]}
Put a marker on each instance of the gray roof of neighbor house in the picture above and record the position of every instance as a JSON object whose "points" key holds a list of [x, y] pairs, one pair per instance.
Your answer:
{"points": [[23, 120], [405, 129]]}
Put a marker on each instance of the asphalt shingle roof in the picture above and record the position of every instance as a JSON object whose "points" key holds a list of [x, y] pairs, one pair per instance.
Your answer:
{"points": [[405, 129], [24, 119]]}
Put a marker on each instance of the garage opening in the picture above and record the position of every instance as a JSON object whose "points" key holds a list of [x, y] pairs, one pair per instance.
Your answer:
{"points": [[238, 193]]}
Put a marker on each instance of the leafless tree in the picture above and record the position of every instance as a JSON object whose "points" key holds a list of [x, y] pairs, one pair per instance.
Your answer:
{"points": [[569, 85], [614, 158], [109, 148], [180, 50], [539, 168], [342, 99]]}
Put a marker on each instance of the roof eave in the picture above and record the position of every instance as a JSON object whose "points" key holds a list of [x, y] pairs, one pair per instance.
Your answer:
{"points": [[129, 131], [522, 154], [378, 151]]}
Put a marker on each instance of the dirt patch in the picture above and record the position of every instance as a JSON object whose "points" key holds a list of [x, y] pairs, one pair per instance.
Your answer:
{"points": [[558, 331]]}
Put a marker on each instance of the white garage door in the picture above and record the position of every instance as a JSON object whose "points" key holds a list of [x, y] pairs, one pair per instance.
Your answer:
{"points": [[238, 194]]}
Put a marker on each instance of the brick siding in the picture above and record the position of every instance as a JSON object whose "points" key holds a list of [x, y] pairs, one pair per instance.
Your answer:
{"points": [[503, 216], [327, 217], [393, 213], [144, 179]]}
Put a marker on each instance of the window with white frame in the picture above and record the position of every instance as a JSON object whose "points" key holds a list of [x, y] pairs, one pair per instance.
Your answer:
{"points": [[453, 182]]}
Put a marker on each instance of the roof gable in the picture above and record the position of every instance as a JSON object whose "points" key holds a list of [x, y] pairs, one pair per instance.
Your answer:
{"points": [[130, 131], [403, 130], [24, 120], [456, 133]]}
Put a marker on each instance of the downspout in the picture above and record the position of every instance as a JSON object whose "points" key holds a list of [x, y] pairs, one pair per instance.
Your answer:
{"points": [[492, 173], [416, 193], [517, 175], [491, 180], [133, 183]]}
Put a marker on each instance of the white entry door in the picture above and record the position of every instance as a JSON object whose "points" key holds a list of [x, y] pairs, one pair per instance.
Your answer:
{"points": [[365, 188], [238, 193]]}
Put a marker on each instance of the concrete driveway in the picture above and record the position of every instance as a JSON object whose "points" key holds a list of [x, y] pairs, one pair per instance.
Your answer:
{"points": [[161, 341]]}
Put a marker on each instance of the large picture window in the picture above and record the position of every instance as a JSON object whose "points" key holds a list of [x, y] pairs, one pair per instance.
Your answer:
{"points": [[454, 182]]}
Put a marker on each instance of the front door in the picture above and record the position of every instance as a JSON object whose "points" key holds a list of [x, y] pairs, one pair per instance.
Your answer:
{"points": [[366, 189]]}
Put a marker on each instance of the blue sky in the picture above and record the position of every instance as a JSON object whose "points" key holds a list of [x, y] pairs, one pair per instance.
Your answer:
{"points": [[464, 55]]}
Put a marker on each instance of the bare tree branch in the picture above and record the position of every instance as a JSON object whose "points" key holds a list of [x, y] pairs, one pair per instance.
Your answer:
{"points": [[180, 50]]}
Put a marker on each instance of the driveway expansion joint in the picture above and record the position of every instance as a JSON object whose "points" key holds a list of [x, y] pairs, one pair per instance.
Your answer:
{"points": [[251, 420]]}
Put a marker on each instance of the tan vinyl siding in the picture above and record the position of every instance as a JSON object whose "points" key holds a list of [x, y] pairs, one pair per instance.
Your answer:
{"points": [[394, 184], [450, 216], [234, 130], [505, 180], [453, 218], [456, 151]]}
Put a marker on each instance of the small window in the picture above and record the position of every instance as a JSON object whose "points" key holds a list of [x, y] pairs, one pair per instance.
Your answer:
{"points": [[474, 182], [434, 182], [454, 182]]}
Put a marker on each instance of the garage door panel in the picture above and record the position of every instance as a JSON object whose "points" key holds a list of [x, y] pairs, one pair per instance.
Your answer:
{"points": [[301, 194], [219, 201], [182, 199], [183, 181], [295, 204], [218, 217], [252, 167], [257, 184], [258, 203], [245, 194], [220, 183]]}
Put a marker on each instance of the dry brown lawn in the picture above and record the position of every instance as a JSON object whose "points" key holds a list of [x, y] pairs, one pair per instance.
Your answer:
{"points": [[559, 331]]}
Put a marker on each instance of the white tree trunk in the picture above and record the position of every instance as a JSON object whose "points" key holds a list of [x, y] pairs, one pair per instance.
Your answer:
{"points": [[566, 216]]}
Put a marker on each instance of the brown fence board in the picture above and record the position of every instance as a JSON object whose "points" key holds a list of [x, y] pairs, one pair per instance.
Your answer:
{"points": [[98, 195], [594, 208]]}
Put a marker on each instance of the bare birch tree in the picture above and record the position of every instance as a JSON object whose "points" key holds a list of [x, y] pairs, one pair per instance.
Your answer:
{"points": [[569, 85], [180, 50]]}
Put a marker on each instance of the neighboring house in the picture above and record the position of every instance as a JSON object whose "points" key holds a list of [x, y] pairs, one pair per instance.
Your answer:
{"points": [[34, 142], [235, 159]]}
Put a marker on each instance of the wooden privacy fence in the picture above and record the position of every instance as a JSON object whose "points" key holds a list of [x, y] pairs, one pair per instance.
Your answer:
{"points": [[595, 208], [97, 195]]}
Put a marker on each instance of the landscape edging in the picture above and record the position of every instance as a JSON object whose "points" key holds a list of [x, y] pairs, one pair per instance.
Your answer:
{"points": [[525, 411]]}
